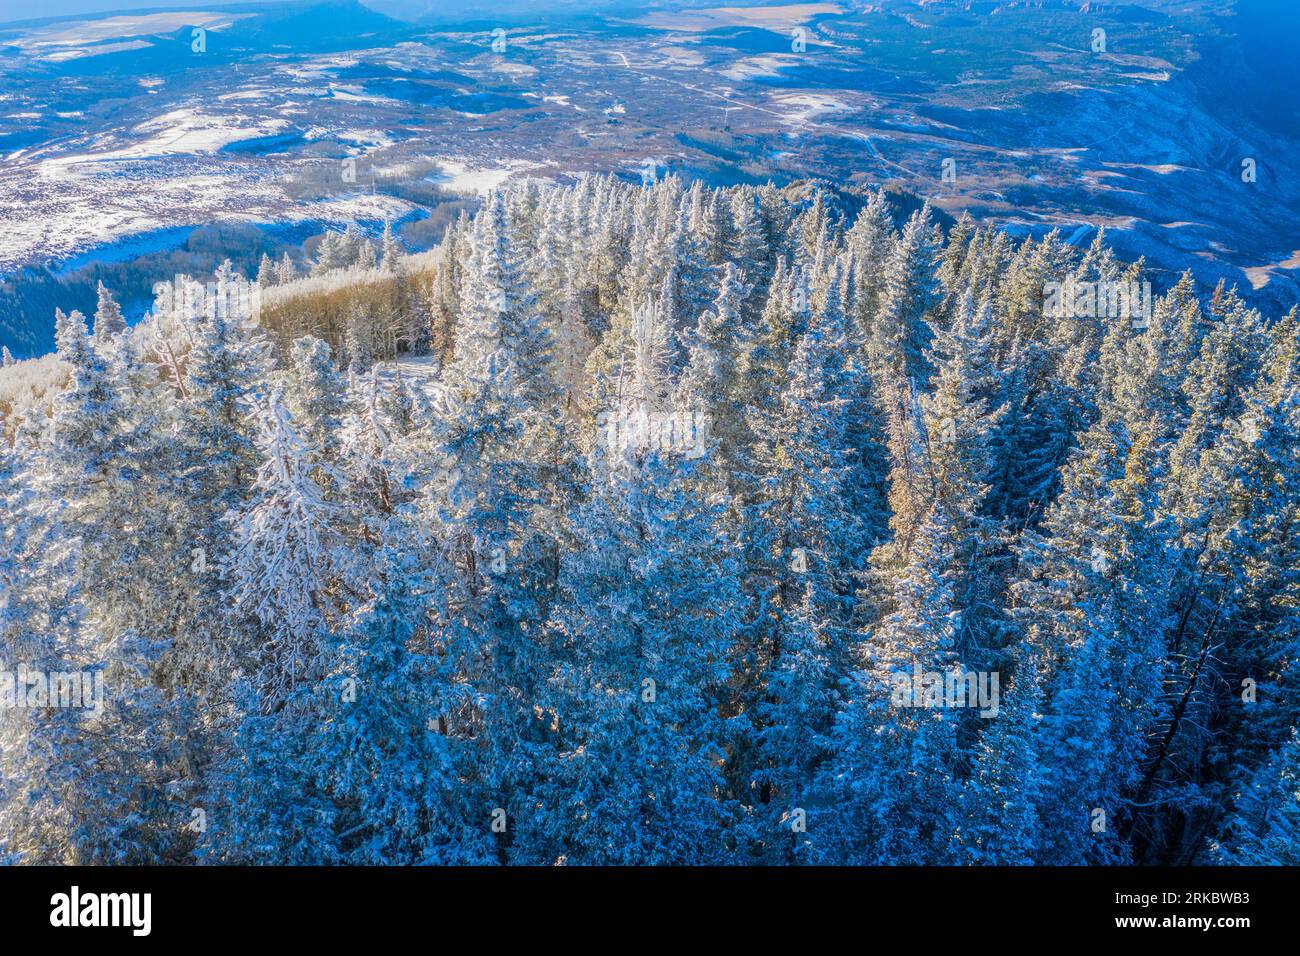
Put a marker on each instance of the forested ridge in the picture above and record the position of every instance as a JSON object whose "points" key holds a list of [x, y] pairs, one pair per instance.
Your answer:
{"points": [[626, 567]]}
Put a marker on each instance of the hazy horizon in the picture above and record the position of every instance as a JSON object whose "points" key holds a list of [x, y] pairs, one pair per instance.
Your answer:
{"points": [[14, 12]]}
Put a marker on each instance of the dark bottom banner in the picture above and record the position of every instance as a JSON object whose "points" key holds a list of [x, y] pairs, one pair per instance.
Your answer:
{"points": [[337, 906]]}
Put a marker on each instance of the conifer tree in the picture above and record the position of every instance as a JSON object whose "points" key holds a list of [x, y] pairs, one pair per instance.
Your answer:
{"points": [[108, 316], [690, 544], [285, 270], [315, 396], [266, 272], [390, 248], [899, 333], [1264, 827], [891, 794], [281, 558], [632, 740]]}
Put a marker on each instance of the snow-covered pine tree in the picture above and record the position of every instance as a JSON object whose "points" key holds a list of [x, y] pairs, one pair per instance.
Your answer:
{"points": [[491, 504], [891, 793], [963, 446], [108, 316], [266, 272], [315, 395], [629, 743], [708, 384], [359, 342], [1000, 801], [871, 238], [1264, 826], [390, 248], [803, 463], [364, 761], [367, 257], [73, 617], [285, 270], [899, 333], [281, 560]]}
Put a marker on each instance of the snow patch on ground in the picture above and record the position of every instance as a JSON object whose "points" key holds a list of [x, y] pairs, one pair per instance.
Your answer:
{"points": [[357, 94], [805, 107], [778, 18], [57, 207], [416, 372], [769, 64], [515, 69], [363, 206], [244, 95], [68, 41], [374, 138], [681, 56], [76, 54], [182, 131], [458, 176]]}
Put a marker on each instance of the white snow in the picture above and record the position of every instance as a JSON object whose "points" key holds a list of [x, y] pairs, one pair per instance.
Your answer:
{"points": [[769, 64], [70, 40], [178, 132], [458, 176], [803, 107]]}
